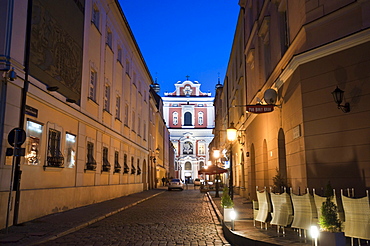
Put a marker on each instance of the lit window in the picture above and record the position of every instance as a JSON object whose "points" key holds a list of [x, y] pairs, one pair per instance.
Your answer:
{"points": [[201, 149], [71, 150], [34, 134], [107, 98], [54, 156]]}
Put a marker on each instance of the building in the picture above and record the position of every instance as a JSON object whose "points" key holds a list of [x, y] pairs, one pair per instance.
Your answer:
{"points": [[189, 116], [291, 56], [79, 91]]}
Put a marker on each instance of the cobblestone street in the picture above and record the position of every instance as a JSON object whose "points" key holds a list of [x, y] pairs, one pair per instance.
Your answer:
{"points": [[172, 218]]}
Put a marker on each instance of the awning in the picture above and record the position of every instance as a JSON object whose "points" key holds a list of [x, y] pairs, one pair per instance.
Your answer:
{"points": [[212, 170]]}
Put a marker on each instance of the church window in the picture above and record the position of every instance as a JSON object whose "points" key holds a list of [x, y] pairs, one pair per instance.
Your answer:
{"points": [[187, 119], [200, 118], [187, 165], [175, 118]]}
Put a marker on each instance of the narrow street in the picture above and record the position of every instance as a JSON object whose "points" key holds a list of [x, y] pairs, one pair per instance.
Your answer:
{"points": [[172, 218]]}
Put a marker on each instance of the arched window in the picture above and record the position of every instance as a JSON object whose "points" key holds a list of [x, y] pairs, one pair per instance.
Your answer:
{"points": [[187, 165], [175, 118], [187, 119], [200, 118], [201, 164]]}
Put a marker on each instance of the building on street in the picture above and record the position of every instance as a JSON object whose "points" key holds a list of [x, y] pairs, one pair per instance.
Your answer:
{"points": [[74, 81], [297, 90], [189, 116]]}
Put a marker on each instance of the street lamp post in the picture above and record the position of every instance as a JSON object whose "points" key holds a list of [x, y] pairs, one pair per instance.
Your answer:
{"points": [[231, 136]]}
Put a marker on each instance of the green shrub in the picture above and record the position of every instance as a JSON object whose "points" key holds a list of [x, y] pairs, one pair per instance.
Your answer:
{"points": [[226, 201]]}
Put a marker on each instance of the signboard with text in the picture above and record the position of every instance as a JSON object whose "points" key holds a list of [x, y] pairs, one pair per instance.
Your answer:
{"points": [[259, 109]]}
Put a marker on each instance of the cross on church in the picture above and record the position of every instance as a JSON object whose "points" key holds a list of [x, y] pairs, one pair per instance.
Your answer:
{"points": [[187, 77]]}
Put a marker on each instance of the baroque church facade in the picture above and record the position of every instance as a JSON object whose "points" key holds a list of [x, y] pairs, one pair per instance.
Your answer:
{"points": [[189, 116]]}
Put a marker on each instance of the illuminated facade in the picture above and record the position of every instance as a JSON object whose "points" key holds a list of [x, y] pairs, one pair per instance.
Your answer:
{"points": [[189, 116], [87, 108], [302, 50]]}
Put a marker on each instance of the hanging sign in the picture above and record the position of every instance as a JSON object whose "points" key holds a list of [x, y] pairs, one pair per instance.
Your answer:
{"points": [[259, 109]]}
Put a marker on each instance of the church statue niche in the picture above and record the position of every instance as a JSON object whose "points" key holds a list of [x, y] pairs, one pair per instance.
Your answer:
{"points": [[188, 148]]}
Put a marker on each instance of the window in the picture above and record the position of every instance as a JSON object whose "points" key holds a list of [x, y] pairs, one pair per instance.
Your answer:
{"points": [[128, 67], [119, 54], [200, 118], [144, 131], [91, 163], [201, 149], [70, 150], [201, 164], [126, 114], [118, 107], [34, 135], [109, 40], [134, 78], [54, 156], [107, 98], [175, 118], [138, 125], [138, 167], [117, 166], [95, 16], [126, 168], [187, 119], [92, 88], [187, 165], [133, 169], [106, 164], [133, 121]]}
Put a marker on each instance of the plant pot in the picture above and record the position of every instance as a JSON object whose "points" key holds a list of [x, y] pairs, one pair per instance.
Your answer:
{"points": [[332, 238], [227, 214]]}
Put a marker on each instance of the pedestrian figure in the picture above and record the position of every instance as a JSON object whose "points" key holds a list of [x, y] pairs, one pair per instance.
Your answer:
{"points": [[163, 180]]}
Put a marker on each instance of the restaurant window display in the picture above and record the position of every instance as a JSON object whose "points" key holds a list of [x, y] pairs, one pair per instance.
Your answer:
{"points": [[34, 134], [70, 150]]}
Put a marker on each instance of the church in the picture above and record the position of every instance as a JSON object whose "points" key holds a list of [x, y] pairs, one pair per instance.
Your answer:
{"points": [[189, 116]]}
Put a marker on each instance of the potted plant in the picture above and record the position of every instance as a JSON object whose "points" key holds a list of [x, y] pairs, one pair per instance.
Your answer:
{"points": [[227, 204], [330, 225]]}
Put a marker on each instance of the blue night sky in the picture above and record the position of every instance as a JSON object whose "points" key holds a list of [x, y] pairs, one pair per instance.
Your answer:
{"points": [[180, 38]]}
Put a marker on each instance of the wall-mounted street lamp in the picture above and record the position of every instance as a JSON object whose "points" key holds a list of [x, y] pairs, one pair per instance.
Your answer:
{"points": [[231, 132], [338, 96]]}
